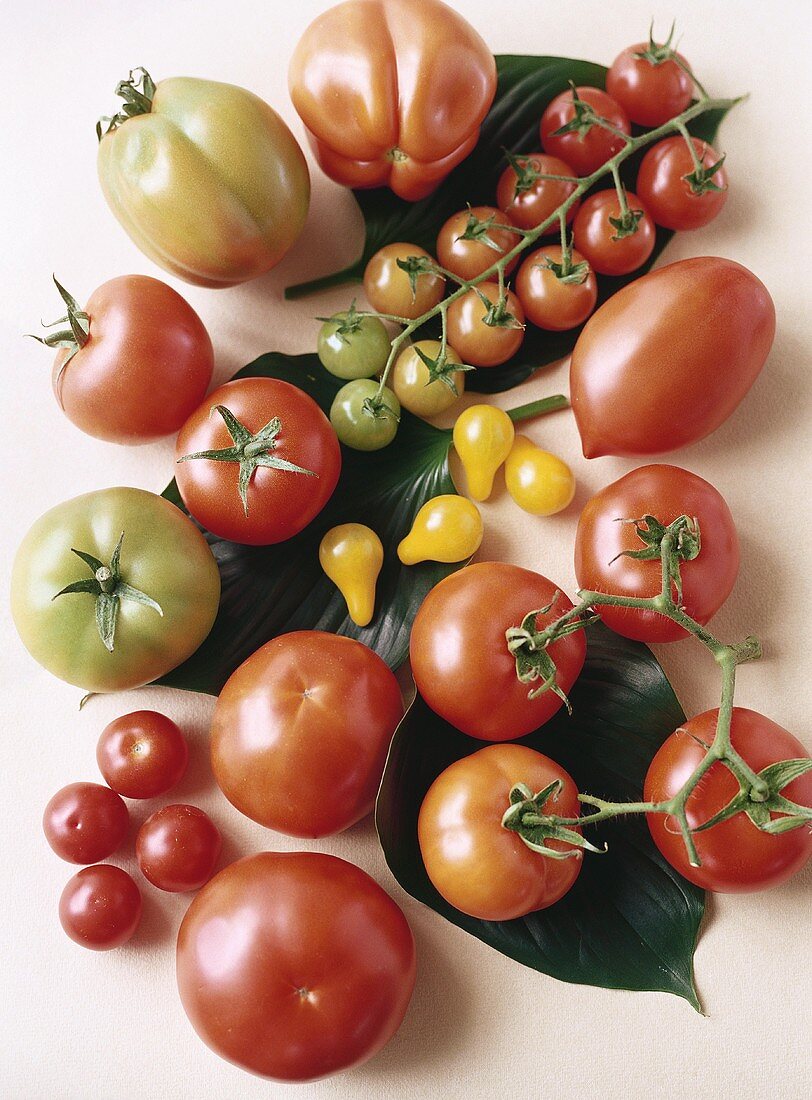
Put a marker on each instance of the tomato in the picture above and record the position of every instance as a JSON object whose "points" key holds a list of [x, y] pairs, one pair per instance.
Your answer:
{"points": [[85, 822], [301, 731], [389, 288], [351, 555], [645, 373], [601, 564], [352, 345], [413, 384], [133, 364], [205, 177], [100, 907], [460, 658], [295, 965], [527, 198], [668, 185], [365, 417], [541, 483], [177, 848], [392, 93], [262, 479], [483, 436], [552, 296], [612, 248], [649, 84], [143, 618], [480, 867], [735, 855], [447, 528], [478, 342], [468, 257], [142, 754], [591, 146]]}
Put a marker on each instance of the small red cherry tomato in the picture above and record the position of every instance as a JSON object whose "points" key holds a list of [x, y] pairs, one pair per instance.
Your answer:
{"points": [[668, 185], [527, 198], [476, 342], [468, 258], [100, 907], [650, 90], [177, 848], [551, 297], [610, 247], [85, 822], [588, 150], [142, 755]]}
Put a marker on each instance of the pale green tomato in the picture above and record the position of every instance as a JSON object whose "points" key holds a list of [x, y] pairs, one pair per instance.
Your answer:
{"points": [[358, 428], [353, 346], [412, 383]]}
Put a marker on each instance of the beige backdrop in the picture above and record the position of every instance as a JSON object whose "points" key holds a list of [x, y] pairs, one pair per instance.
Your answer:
{"points": [[75, 1024]]}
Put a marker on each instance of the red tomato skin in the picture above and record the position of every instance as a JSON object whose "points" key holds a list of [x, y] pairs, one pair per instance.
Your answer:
{"points": [[598, 145], [85, 822], [668, 197], [100, 907], [142, 754], [460, 660], [469, 259], [280, 503], [594, 235], [177, 848], [535, 205], [664, 492], [146, 365], [547, 301], [301, 731], [736, 857], [295, 965], [649, 94], [645, 375], [475, 342]]}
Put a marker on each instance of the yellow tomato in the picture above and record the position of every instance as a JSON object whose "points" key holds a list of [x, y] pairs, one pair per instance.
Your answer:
{"points": [[447, 528], [412, 381], [352, 555], [539, 482], [483, 436]]}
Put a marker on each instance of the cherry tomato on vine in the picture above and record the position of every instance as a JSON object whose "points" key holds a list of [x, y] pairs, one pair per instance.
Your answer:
{"points": [[602, 540], [351, 555], [468, 258], [480, 867], [485, 333], [177, 848], [612, 243], [257, 461], [648, 83], [483, 436], [324, 971], [412, 382], [389, 288], [85, 822], [555, 296], [363, 416], [460, 658], [675, 196], [100, 907], [541, 483], [301, 731], [142, 754], [447, 528], [735, 855], [587, 149], [527, 198], [352, 345]]}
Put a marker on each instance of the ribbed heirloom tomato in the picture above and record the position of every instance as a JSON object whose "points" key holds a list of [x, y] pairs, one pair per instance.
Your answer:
{"points": [[392, 92]]}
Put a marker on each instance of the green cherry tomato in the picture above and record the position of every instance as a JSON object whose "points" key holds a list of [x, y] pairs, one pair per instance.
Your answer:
{"points": [[363, 420], [113, 589], [352, 345]]}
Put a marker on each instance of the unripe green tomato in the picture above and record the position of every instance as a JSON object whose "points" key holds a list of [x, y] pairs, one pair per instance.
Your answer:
{"points": [[354, 426], [414, 390], [359, 353]]}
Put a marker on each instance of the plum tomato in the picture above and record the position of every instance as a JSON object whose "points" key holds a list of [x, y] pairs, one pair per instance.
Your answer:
{"points": [[735, 855], [85, 822], [471, 241], [486, 332], [650, 82], [257, 461], [414, 385], [460, 658], [554, 296], [295, 965], [527, 198], [674, 194], [100, 907], [353, 344], [142, 754], [603, 540], [177, 848], [614, 243], [479, 866], [364, 416], [396, 291], [301, 731], [591, 145]]}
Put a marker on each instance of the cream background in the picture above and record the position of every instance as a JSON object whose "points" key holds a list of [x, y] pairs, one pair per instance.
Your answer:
{"points": [[76, 1024]]}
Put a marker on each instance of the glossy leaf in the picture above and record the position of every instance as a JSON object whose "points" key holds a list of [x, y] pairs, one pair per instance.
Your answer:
{"points": [[630, 921], [525, 87]]}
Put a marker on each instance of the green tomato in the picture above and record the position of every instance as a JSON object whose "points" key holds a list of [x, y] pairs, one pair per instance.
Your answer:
{"points": [[413, 384], [363, 420], [352, 345], [112, 589]]}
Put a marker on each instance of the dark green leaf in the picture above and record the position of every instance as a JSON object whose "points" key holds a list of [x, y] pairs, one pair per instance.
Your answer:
{"points": [[630, 921]]}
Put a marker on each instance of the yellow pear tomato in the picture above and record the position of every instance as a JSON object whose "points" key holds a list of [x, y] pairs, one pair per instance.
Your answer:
{"points": [[539, 482], [352, 555], [414, 385], [447, 528], [483, 436]]}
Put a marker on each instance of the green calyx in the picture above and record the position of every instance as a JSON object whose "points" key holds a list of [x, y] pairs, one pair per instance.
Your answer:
{"points": [[497, 314], [137, 91], [525, 816], [566, 271], [441, 369], [681, 540], [701, 179], [415, 266], [761, 803], [377, 409], [529, 647], [527, 173], [582, 121], [626, 224], [656, 53], [250, 450], [74, 337], [347, 323], [479, 229], [108, 588]]}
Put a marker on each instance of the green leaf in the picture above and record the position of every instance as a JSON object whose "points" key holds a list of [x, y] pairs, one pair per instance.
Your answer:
{"points": [[630, 921], [267, 590], [525, 87]]}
